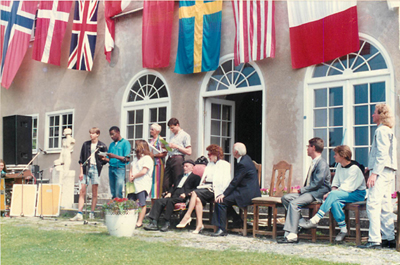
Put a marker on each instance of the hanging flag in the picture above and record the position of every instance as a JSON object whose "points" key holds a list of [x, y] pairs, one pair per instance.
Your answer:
{"points": [[16, 25], [255, 30], [51, 22], [84, 33], [321, 31], [199, 36], [392, 4], [157, 28], [112, 8]]}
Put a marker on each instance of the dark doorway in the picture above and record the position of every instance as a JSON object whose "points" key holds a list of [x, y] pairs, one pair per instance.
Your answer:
{"points": [[248, 122]]}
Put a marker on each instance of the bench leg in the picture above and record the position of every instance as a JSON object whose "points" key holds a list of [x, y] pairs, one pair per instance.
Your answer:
{"points": [[358, 227], [332, 227], [255, 222], [274, 227], [245, 221]]}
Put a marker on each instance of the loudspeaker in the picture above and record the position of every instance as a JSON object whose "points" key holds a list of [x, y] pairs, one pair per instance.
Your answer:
{"points": [[17, 139]]}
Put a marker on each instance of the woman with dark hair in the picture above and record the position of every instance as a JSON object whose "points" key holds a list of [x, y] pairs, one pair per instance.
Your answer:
{"points": [[3, 168], [140, 174], [216, 178], [348, 185]]}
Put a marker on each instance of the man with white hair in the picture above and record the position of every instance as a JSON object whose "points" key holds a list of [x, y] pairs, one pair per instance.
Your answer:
{"points": [[242, 189]]}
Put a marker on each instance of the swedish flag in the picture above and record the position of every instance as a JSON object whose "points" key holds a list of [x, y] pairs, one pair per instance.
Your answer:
{"points": [[199, 36]]}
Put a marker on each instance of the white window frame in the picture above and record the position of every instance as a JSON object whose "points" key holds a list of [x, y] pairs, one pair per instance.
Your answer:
{"points": [[35, 116], [347, 81], [146, 105], [47, 124]]}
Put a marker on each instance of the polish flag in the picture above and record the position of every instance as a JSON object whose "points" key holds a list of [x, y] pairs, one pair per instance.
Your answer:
{"points": [[321, 31], [51, 23], [157, 28]]}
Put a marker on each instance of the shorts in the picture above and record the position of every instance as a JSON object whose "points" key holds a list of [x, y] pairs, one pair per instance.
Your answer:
{"points": [[92, 176], [141, 196]]}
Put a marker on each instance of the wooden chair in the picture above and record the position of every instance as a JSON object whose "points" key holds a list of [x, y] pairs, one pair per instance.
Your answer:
{"points": [[244, 211], [312, 210], [274, 201], [356, 207]]}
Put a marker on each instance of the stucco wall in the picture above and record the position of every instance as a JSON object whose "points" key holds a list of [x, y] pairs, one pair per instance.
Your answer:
{"points": [[96, 96]]}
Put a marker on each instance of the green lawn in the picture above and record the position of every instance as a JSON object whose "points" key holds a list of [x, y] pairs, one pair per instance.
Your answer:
{"points": [[34, 243]]}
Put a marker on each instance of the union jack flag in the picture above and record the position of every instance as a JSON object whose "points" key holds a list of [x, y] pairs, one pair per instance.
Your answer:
{"points": [[84, 33], [16, 24]]}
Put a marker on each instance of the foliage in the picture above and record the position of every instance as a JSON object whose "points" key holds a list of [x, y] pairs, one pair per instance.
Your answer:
{"points": [[120, 206]]}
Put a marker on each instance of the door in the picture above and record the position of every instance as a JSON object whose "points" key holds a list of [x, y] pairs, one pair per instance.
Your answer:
{"points": [[220, 125]]}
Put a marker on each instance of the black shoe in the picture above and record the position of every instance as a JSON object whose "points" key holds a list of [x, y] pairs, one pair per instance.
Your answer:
{"points": [[371, 245], [165, 227], [152, 226], [308, 225], [287, 241], [388, 243], [219, 232]]}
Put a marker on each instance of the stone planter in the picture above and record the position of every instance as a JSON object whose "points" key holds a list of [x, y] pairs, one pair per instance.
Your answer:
{"points": [[121, 225], [264, 195]]}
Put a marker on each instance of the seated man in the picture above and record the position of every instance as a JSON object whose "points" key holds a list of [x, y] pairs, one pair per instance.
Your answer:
{"points": [[241, 190], [348, 185], [316, 185], [184, 185]]}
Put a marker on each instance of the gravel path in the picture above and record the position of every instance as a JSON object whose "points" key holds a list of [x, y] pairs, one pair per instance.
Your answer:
{"points": [[320, 250]]}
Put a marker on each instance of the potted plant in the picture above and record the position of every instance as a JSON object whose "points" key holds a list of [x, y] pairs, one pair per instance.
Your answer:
{"points": [[264, 192], [121, 216]]}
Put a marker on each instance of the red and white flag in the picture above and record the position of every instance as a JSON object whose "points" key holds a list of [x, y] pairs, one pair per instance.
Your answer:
{"points": [[157, 29], [321, 31], [51, 22], [112, 8], [16, 23], [255, 30]]}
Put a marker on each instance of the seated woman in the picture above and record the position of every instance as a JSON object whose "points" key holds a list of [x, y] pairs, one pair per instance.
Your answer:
{"points": [[215, 180], [140, 174], [348, 186]]}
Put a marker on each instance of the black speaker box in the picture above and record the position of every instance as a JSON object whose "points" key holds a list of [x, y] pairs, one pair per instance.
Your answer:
{"points": [[17, 139]]}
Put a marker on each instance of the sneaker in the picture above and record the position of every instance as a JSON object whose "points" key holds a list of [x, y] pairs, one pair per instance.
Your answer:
{"points": [[91, 216], [340, 237], [78, 217]]}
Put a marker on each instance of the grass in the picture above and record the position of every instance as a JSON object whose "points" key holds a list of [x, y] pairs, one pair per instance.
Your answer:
{"points": [[43, 243]]}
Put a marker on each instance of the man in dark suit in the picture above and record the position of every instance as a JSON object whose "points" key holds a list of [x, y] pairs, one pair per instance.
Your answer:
{"points": [[179, 192], [316, 185], [242, 189]]}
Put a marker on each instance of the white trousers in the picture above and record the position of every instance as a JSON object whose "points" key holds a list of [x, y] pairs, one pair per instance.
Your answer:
{"points": [[380, 208]]}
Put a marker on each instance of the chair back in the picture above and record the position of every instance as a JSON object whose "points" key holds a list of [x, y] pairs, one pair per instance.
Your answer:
{"points": [[279, 181], [258, 167]]}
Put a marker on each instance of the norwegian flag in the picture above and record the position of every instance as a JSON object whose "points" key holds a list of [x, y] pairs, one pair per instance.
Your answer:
{"points": [[255, 30], [16, 24], [84, 33], [51, 22]]}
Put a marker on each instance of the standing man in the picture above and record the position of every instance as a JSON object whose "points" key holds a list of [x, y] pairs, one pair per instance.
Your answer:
{"points": [[118, 156], [90, 171], [382, 164], [317, 184], [180, 144], [179, 192], [242, 189]]}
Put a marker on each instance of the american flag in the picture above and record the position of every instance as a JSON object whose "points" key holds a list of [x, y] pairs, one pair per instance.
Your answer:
{"points": [[255, 30], [84, 33]]}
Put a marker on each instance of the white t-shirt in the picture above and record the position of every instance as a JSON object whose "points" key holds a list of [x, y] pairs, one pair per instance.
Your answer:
{"points": [[93, 158], [145, 181]]}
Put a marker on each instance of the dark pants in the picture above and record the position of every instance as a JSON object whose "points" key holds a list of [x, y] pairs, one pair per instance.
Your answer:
{"points": [[168, 204], [173, 169], [224, 209]]}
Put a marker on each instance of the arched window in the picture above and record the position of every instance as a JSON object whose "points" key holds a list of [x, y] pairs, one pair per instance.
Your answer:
{"points": [[341, 95], [145, 102]]}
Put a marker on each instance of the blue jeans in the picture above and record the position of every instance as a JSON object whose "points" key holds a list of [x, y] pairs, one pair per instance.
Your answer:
{"points": [[116, 177], [336, 201]]}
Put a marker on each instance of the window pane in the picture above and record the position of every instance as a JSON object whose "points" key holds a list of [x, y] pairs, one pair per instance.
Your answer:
{"points": [[378, 92], [336, 96], [215, 128], [130, 132], [335, 136], [215, 111], [57, 120], [321, 133], [50, 142], [153, 115], [372, 110], [131, 117], [361, 94], [215, 140], [320, 98], [361, 155], [377, 62], [361, 135], [226, 113], [331, 159], [139, 116], [162, 114], [336, 117], [320, 118], [225, 145], [51, 121], [361, 115], [139, 132], [226, 128]]}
